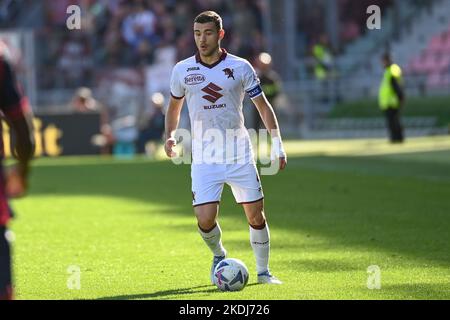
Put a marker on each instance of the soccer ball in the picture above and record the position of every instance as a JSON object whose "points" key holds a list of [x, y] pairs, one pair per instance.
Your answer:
{"points": [[230, 275]]}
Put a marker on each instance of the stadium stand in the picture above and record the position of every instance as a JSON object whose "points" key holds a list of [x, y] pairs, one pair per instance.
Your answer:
{"points": [[418, 22], [433, 62]]}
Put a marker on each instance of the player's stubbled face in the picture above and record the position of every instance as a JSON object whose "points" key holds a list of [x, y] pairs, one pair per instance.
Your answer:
{"points": [[206, 38]]}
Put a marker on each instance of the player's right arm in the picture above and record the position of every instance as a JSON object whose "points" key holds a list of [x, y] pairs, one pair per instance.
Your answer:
{"points": [[172, 120]]}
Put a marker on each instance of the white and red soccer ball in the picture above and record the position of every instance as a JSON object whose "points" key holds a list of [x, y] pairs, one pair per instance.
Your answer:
{"points": [[230, 275]]}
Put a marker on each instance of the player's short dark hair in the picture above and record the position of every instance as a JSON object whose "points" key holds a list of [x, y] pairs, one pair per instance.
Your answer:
{"points": [[210, 16]]}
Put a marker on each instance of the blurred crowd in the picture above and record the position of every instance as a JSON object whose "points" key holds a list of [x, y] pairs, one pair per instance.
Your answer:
{"points": [[120, 61], [119, 33], [125, 51]]}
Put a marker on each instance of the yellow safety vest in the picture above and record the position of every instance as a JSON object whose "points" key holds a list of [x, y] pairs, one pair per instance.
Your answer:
{"points": [[387, 96], [322, 55]]}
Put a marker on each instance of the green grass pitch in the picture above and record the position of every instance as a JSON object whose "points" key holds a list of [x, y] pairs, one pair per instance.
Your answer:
{"points": [[130, 228]]}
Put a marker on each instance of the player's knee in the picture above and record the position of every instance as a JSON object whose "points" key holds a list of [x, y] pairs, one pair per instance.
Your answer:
{"points": [[206, 222], [206, 216], [257, 219], [206, 225]]}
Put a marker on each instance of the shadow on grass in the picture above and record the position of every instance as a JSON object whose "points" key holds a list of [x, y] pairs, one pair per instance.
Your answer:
{"points": [[368, 203], [168, 294], [165, 293]]}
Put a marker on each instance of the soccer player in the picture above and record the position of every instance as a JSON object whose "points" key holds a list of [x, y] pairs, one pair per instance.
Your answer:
{"points": [[214, 83], [13, 184]]}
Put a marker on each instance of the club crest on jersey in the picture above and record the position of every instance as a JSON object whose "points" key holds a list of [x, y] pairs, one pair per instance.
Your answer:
{"points": [[229, 72], [194, 79]]}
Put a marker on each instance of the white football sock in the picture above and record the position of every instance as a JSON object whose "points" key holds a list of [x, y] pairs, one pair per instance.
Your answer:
{"points": [[213, 240], [260, 242]]}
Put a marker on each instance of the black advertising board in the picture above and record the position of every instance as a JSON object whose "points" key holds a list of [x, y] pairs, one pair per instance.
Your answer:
{"points": [[62, 134]]}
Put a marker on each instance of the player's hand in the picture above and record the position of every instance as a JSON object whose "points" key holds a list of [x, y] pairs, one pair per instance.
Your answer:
{"points": [[283, 162], [168, 147], [277, 153], [16, 182]]}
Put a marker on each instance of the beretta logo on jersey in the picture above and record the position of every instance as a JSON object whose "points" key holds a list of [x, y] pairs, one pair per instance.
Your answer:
{"points": [[193, 79]]}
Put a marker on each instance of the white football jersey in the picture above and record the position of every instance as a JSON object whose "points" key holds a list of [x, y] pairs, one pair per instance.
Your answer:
{"points": [[214, 95]]}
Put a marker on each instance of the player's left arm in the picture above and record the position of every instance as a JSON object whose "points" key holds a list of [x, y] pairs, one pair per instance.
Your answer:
{"points": [[399, 91], [18, 115], [269, 118]]}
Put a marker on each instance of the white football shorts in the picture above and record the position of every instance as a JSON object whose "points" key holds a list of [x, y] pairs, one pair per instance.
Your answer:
{"points": [[208, 181]]}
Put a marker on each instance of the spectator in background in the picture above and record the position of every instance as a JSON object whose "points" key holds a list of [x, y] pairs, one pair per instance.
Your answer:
{"points": [[392, 97], [139, 28], [311, 19], [270, 83], [350, 31], [113, 46], [56, 11], [184, 45], [324, 70], [167, 30], [181, 16], [323, 58], [74, 63], [244, 19], [151, 126], [84, 102], [123, 94]]}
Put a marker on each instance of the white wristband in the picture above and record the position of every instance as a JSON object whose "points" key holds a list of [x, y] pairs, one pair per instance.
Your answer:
{"points": [[277, 150]]}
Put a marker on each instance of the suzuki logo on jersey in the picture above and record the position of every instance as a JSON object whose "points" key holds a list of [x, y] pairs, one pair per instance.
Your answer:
{"points": [[212, 91], [229, 72]]}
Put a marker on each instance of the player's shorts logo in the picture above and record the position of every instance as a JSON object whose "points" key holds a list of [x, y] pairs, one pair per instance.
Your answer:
{"points": [[229, 72], [193, 79], [212, 91]]}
